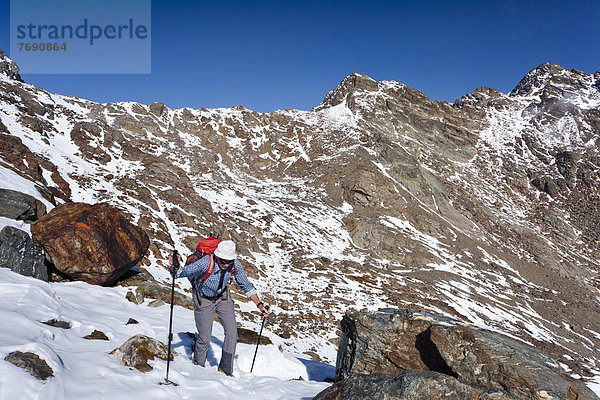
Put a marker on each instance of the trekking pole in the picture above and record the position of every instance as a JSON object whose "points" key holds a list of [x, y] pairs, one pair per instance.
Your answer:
{"points": [[176, 266], [262, 325]]}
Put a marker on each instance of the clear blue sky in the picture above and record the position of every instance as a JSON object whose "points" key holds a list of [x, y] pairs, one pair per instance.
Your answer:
{"points": [[269, 55]]}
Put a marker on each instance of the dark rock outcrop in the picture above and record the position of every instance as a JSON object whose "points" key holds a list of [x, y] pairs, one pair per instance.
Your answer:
{"points": [[547, 185], [156, 303], [565, 162], [146, 287], [92, 243], [131, 297], [413, 385], [32, 165], [21, 254], [351, 83], [154, 290], [58, 323], [9, 68], [38, 367], [20, 206], [397, 340], [157, 108], [138, 349], [250, 337], [96, 335]]}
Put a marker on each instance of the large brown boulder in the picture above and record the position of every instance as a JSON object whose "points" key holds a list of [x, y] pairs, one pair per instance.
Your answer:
{"points": [[91, 243], [393, 341]]}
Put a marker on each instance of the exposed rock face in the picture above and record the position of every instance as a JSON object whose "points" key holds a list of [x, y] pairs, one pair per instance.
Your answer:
{"points": [[398, 340], [411, 385], [147, 287], [20, 206], [154, 290], [9, 68], [351, 83], [250, 337], [58, 323], [96, 335], [21, 254], [138, 349], [131, 297], [32, 165], [38, 367], [156, 303], [92, 243]]}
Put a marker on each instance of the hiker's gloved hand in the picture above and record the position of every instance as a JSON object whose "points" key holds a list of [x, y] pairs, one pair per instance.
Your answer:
{"points": [[265, 310], [173, 269]]}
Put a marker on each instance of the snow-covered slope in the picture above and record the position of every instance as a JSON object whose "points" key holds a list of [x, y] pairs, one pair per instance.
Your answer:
{"points": [[85, 369], [485, 209]]}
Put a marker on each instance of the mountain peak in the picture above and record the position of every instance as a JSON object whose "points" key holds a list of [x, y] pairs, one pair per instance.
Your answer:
{"points": [[9, 68], [350, 84], [551, 75]]}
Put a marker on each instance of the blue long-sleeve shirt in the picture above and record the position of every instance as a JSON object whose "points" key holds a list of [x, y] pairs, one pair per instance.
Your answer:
{"points": [[210, 286]]}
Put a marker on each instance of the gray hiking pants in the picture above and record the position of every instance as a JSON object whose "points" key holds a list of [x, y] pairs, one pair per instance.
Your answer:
{"points": [[204, 314]]}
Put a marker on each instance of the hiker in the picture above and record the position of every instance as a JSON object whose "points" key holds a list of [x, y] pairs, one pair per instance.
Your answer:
{"points": [[211, 294]]}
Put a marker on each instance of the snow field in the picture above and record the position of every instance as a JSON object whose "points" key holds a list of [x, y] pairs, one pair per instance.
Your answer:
{"points": [[84, 369]]}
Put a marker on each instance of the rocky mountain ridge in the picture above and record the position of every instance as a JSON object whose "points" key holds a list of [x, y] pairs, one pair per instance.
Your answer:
{"points": [[485, 209]]}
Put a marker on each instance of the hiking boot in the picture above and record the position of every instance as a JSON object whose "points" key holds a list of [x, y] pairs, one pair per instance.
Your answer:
{"points": [[220, 370]]}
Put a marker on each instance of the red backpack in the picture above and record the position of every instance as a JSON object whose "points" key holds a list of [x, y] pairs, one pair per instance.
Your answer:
{"points": [[205, 247]]}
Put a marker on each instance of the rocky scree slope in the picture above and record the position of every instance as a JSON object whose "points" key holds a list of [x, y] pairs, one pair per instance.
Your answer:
{"points": [[485, 209]]}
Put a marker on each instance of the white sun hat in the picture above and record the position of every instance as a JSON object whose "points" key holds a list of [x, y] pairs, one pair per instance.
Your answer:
{"points": [[226, 250]]}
